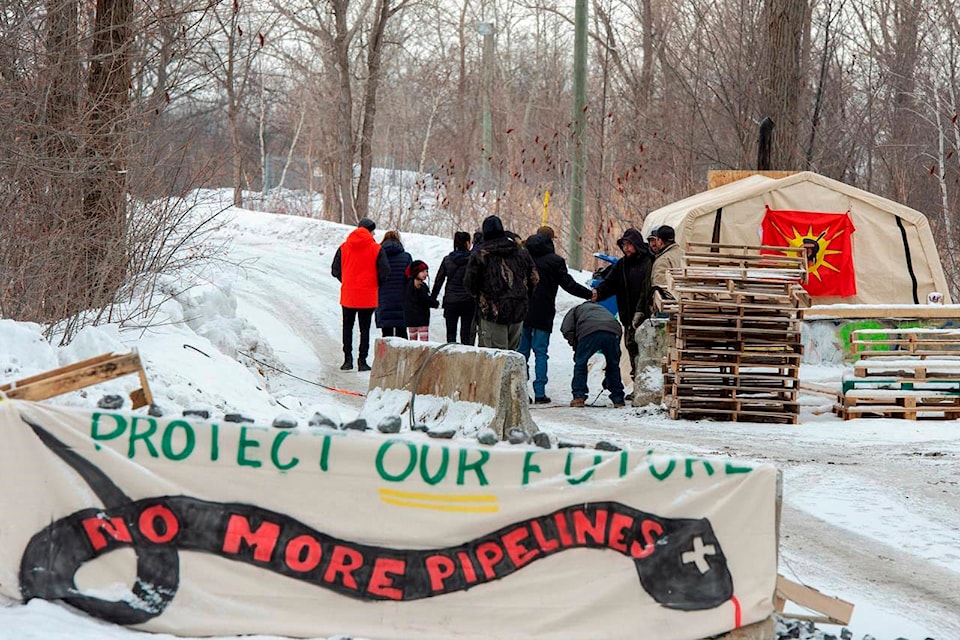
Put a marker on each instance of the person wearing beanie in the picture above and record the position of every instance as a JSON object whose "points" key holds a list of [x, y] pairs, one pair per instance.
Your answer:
{"points": [[501, 276], [417, 301], [389, 314], [361, 266], [629, 281], [458, 305], [538, 324]]}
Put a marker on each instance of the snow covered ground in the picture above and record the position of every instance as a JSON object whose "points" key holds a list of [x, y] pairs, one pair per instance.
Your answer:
{"points": [[871, 509]]}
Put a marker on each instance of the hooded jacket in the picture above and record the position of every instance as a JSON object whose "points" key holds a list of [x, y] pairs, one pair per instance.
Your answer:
{"points": [[553, 273], [629, 279], [670, 257], [390, 297], [361, 267], [501, 276], [451, 271]]}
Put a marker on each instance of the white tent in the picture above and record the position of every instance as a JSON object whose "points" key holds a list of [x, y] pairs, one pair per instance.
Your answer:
{"points": [[894, 256]]}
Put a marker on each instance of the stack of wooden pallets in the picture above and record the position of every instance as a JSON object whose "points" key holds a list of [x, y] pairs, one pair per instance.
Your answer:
{"points": [[903, 373], [736, 329]]}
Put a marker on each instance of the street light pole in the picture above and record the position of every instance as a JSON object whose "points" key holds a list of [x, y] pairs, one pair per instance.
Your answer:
{"points": [[486, 30], [579, 133]]}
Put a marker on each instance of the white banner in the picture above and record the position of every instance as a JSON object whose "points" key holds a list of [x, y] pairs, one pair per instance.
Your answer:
{"points": [[201, 528]]}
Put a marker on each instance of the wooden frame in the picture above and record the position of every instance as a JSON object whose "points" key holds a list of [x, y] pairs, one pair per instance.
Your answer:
{"points": [[82, 374], [833, 610]]}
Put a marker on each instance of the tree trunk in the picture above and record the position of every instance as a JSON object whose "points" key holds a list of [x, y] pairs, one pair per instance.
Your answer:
{"points": [[104, 203], [787, 21], [374, 59]]}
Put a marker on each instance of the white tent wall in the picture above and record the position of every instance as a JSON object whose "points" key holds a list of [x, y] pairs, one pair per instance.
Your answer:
{"points": [[879, 258]]}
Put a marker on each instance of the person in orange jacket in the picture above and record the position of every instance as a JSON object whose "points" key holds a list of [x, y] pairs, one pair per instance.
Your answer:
{"points": [[361, 266]]}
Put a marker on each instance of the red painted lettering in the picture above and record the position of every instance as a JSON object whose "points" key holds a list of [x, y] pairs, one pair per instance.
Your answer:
{"points": [[381, 578], [489, 554], [303, 553], [562, 529], [158, 524], [516, 550], [583, 527], [648, 529], [545, 545], [439, 568], [466, 565], [619, 525], [343, 561], [97, 526], [263, 540]]}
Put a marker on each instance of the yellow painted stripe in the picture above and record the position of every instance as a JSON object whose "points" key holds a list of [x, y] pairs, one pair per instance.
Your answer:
{"points": [[438, 497], [460, 508]]}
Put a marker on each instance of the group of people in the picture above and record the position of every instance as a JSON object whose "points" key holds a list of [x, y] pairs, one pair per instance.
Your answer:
{"points": [[500, 291]]}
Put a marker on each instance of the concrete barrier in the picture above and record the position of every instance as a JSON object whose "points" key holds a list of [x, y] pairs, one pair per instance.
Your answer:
{"points": [[447, 386]]}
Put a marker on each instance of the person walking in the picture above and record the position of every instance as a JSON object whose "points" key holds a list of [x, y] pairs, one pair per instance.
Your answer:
{"points": [[361, 267], [538, 323], [501, 277], [458, 305], [389, 314], [417, 301], [629, 281], [589, 328]]}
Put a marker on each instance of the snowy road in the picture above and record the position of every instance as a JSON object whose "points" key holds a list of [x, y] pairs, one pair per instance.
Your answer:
{"points": [[871, 508]]}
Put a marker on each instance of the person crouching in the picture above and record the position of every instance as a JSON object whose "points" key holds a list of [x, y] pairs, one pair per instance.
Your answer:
{"points": [[417, 302], [589, 328]]}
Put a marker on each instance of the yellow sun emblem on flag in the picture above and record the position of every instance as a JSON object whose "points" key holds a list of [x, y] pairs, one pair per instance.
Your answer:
{"points": [[817, 247]]}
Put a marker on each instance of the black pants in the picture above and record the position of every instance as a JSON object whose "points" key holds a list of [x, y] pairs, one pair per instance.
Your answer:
{"points": [[462, 312], [364, 316], [394, 332]]}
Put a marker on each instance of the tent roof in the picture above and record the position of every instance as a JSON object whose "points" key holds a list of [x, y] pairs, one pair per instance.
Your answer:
{"points": [[707, 202]]}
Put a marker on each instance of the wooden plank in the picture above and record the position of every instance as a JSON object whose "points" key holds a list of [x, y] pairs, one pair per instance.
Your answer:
{"points": [[834, 610], [76, 376], [720, 177], [899, 312]]}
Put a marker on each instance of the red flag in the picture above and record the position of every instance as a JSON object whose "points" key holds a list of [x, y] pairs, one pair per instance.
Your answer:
{"points": [[827, 238]]}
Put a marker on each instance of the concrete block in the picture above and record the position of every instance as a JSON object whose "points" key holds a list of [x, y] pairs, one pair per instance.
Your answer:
{"points": [[444, 375]]}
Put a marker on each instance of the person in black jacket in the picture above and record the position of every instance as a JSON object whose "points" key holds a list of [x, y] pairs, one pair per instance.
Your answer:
{"points": [[501, 276], [458, 304], [538, 324], [417, 301], [629, 280], [389, 314]]}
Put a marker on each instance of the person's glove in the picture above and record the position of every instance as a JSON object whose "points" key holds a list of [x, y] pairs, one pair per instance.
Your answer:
{"points": [[638, 319]]}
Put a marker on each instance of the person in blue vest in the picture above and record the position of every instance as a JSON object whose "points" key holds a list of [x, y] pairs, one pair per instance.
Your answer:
{"points": [[389, 314], [537, 326]]}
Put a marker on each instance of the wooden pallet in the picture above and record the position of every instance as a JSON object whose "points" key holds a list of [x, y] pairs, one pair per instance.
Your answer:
{"points": [[917, 343], [908, 405], [82, 374], [740, 415]]}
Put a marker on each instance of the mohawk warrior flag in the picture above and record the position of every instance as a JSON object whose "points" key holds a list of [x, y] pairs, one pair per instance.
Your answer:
{"points": [[827, 239]]}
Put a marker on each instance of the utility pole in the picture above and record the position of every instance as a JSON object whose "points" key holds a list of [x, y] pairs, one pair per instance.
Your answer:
{"points": [[579, 133], [486, 30]]}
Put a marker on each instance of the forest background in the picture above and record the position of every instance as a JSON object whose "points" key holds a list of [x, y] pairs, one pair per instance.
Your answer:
{"points": [[114, 111]]}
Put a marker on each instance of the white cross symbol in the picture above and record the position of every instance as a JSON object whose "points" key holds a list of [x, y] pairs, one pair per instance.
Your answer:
{"points": [[697, 555]]}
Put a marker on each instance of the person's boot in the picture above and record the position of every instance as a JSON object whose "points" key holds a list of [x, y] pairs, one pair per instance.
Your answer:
{"points": [[362, 365], [347, 364]]}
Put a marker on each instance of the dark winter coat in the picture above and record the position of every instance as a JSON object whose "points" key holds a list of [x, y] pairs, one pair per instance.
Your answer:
{"points": [[451, 271], [587, 318], [629, 279], [501, 277], [390, 302], [417, 303], [553, 274]]}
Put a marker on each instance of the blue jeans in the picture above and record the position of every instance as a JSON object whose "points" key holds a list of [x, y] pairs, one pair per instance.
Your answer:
{"points": [[538, 340], [608, 344]]}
